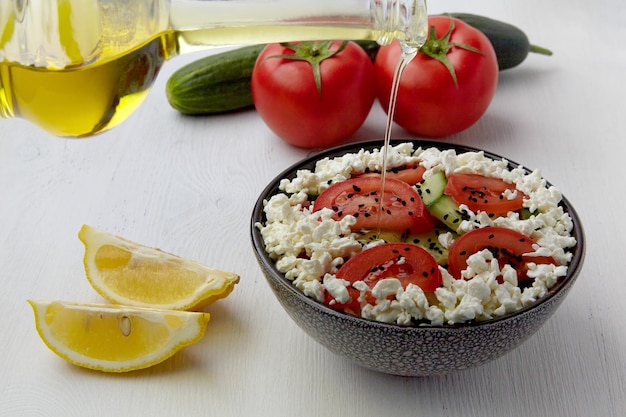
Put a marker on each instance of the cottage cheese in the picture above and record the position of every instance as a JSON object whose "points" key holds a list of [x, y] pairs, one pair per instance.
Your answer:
{"points": [[308, 247]]}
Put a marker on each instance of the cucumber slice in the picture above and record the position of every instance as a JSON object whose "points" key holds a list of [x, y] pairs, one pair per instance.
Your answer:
{"points": [[371, 236], [446, 210], [430, 242], [431, 189]]}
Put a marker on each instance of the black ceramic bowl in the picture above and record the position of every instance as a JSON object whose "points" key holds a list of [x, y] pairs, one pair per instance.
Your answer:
{"points": [[401, 350]]}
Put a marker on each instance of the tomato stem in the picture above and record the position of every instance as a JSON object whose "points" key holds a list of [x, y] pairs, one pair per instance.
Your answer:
{"points": [[312, 52], [438, 48]]}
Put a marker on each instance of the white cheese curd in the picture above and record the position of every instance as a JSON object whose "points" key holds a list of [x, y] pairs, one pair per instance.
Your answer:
{"points": [[337, 288], [308, 247]]}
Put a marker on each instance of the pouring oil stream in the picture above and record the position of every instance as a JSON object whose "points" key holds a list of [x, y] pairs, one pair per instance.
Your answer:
{"points": [[408, 53]]}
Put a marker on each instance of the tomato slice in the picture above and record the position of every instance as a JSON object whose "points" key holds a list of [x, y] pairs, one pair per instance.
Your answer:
{"points": [[404, 261], [403, 211], [507, 245], [483, 193], [410, 173]]}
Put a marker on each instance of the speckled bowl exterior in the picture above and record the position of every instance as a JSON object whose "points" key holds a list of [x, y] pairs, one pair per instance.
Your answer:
{"points": [[402, 350]]}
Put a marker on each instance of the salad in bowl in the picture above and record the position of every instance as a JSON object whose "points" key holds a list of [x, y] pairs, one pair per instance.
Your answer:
{"points": [[457, 260]]}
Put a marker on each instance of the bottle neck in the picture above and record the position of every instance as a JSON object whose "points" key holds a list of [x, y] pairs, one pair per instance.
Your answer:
{"points": [[234, 22]]}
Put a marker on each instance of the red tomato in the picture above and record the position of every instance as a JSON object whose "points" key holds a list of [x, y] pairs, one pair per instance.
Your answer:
{"points": [[287, 99], [483, 193], [403, 209], [408, 263], [507, 245], [411, 174], [429, 101]]}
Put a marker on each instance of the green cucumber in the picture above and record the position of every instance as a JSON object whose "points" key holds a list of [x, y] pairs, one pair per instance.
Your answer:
{"points": [[375, 235], [439, 204], [430, 242], [448, 212], [510, 43], [431, 189], [215, 84]]}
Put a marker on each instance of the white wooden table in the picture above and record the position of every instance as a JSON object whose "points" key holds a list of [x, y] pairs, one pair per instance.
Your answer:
{"points": [[188, 185]]}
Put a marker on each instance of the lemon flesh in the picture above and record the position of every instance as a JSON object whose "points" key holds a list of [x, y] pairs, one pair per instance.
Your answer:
{"points": [[128, 273], [115, 338]]}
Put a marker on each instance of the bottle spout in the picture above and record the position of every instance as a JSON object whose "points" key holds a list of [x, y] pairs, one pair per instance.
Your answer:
{"points": [[403, 20]]}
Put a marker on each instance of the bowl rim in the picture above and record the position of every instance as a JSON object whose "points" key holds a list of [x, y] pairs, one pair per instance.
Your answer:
{"points": [[308, 162]]}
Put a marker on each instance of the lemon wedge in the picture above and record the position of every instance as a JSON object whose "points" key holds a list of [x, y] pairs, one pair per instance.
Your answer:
{"points": [[128, 273], [115, 338]]}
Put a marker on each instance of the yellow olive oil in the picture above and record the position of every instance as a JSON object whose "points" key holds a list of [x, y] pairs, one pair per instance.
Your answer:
{"points": [[84, 100]]}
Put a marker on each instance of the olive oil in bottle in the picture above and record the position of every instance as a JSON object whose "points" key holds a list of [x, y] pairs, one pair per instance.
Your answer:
{"points": [[88, 99]]}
